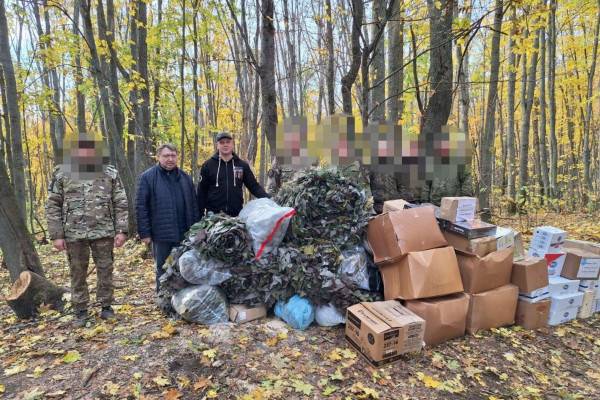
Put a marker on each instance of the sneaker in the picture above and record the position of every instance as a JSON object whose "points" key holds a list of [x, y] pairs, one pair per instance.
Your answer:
{"points": [[81, 317], [107, 313]]}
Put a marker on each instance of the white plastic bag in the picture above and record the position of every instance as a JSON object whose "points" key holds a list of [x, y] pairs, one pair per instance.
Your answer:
{"points": [[267, 222], [329, 315], [200, 270], [203, 304]]}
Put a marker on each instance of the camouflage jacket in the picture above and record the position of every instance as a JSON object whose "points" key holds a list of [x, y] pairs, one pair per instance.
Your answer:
{"points": [[86, 209]]}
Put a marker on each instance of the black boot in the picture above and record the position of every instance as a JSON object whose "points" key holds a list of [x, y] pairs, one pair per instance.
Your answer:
{"points": [[81, 317], [107, 313]]}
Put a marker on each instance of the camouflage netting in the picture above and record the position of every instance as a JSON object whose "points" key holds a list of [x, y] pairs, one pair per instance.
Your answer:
{"points": [[333, 210]]}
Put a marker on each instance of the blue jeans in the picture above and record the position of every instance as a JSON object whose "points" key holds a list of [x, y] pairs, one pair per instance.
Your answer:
{"points": [[160, 251]]}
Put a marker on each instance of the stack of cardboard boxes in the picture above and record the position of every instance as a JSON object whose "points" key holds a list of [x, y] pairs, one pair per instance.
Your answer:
{"points": [[485, 256], [531, 276], [582, 263], [419, 267]]}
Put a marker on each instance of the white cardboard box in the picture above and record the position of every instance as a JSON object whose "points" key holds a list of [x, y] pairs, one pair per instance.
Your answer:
{"points": [[559, 285], [588, 284], [566, 301], [505, 238], [562, 316], [597, 305], [548, 239], [536, 295]]}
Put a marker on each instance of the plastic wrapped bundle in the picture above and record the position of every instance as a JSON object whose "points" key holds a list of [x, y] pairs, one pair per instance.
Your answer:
{"points": [[200, 270], [267, 223], [203, 304], [298, 312], [329, 315]]}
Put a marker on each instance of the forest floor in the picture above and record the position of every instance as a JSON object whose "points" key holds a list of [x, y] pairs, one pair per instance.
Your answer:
{"points": [[144, 355]]}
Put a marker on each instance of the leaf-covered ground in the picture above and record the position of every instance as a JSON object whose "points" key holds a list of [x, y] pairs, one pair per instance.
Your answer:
{"points": [[144, 355]]}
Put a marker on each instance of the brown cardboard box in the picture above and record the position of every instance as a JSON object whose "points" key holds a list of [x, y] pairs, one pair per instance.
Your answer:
{"points": [[394, 205], [456, 209], [582, 245], [480, 274], [532, 315], [445, 317], [383, 330], [422, 274], [397, 233], [580, 264], [480, 246], [588, 305], [492, 309], [530, 274], [240, 313]]}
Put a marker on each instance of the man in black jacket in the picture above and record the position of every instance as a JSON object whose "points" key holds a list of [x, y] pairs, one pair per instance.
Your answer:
{"points": [[165, 206], [221, 179]]}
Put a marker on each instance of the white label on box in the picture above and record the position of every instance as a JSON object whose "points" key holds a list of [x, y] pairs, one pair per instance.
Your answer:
{"points": [[562, 316], [559, 285], [565, 301], [465, 210], [538, 294], [505, 238], [589, 268], [588, 284]]}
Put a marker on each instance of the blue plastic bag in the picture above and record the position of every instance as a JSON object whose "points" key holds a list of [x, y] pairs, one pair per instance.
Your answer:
{"points": [[298, 312]]}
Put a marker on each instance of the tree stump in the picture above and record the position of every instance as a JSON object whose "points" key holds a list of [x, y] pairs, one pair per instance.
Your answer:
{"points": [[30, 291]]}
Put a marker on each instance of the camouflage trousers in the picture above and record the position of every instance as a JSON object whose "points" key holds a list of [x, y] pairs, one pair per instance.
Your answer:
{"points": [[78, 253]]}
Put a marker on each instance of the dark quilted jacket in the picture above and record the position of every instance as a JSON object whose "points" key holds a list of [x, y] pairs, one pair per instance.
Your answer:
{"points": [[155, 207]]}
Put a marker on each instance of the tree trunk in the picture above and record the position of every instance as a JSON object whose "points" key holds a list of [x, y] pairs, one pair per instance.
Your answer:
{"points": [[377, 106], [542, 100], [17, 163], [182, 89], [487, 143], [510, 136], [330, 79], [30, 291], [463, 76], [587, 178], [395, 64], [552, 100], [350, 77], [291, 73], [527, 103], [80, 97], [156, 78], [267, 75]]}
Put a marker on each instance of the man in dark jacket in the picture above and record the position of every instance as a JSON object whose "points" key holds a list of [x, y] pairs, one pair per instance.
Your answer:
{"points": [[165, 206], [221, 179]]}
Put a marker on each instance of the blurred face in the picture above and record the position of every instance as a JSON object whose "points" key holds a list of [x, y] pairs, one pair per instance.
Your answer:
{"points": [[167, 159], [225, 146]]}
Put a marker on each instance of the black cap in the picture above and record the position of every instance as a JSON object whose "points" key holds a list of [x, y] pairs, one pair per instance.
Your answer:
{"points": [[223, 135]]}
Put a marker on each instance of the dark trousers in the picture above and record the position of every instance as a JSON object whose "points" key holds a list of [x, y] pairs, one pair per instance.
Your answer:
{"points": [[160, 251]]}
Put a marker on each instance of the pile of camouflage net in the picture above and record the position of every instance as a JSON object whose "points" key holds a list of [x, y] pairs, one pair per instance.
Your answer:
{"points": [[332, 212]]}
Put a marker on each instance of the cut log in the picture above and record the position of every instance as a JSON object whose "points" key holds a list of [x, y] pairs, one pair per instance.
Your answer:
{"points": [[30, 291]]}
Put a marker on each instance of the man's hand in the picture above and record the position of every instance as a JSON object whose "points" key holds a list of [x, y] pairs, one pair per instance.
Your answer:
{"points": [[147, 240], [120, 239], [59, 244]]}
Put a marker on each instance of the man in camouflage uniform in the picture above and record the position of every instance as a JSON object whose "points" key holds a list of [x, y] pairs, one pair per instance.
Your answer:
{"points": [[87, 211]]}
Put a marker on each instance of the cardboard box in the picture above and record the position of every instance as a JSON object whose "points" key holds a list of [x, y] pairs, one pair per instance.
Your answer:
{"points": [[492, 309], [458, 209], [480, 246], [588, 284], [532, 315], [559, 285], [555, 261], [560, 317], [480, 274], [519, 249], [397, 233], [240, 313], [381, 331], [565, 301], [582, 245], [548, 239], [588, 305], [536, 295], [445, 317], [530, 274], [422, 274], [469, 229], [505, 238], [394, 205], [581, 264], [597, 305]]}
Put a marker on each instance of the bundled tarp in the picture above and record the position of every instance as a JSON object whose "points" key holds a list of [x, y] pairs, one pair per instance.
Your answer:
{"points": [[330, 207], [221, 237], [203, 304]]}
